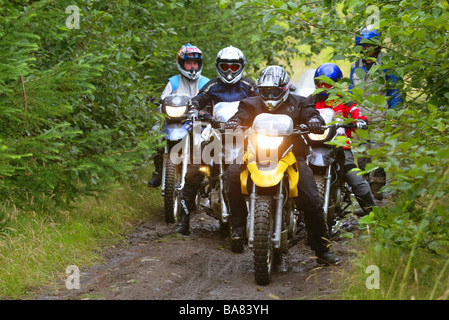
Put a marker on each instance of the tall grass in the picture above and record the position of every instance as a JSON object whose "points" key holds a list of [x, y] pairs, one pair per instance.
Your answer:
{"points": [[417, 275], [36, 246]]}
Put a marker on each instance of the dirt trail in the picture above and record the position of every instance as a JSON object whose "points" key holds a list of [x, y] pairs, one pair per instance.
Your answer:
{"points": [[157, 264]]}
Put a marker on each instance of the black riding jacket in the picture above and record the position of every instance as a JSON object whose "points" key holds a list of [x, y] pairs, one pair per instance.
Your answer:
{"points": [[216, 91]]}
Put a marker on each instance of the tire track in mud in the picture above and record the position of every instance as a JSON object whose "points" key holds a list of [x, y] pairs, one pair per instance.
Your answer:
{"points": [[155, 263]]}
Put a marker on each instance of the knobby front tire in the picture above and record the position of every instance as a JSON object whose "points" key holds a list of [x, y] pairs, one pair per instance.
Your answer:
{"points": [[263, 246]]}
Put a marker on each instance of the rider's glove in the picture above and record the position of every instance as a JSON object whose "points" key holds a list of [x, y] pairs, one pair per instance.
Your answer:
{"points": [[231, 124], [360, 124], [193, 113], [314, 125], [193, 104]]}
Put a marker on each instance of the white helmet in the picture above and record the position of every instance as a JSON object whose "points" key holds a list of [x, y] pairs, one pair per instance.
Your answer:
{"points": [[230, 63]]}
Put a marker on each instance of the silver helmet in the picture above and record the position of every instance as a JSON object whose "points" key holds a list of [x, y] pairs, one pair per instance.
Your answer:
{"points": [[230, 63], [274, 86]]}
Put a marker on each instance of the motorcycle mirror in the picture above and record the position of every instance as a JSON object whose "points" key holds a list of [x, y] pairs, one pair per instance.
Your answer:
{"points": [[154, 99]]}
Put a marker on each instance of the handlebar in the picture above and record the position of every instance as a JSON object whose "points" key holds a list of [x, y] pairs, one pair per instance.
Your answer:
{"points": [[304, 129], [300, 129], [202, 116]]}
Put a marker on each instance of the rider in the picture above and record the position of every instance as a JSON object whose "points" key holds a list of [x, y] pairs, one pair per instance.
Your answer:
{"points": [[274, 88], [229, 86], [189, 61], [360, 187], [369, 39]]}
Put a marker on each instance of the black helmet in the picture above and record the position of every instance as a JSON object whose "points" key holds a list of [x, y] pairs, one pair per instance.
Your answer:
{"points": [[274, 86]]}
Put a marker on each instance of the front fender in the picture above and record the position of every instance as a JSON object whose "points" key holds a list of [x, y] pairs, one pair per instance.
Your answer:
{"points": [[176, 131], [273, 176], [321, 156]]}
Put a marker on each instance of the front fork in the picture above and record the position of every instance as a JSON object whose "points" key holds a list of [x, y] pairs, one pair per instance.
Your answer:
{"points": [[224, 209], [327, 189], [279, 203]]}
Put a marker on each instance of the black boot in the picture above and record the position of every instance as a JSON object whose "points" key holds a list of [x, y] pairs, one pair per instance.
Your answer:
{"points": [[327, 257], [184, 221], [366, 203], [238, 239], [377, 179], [156, 179], [321, 246], [184, 225], [238, 233], [322, 251]]}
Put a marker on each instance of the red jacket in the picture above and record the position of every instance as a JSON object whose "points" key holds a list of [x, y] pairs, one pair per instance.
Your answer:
{"points": [[346, 111]]}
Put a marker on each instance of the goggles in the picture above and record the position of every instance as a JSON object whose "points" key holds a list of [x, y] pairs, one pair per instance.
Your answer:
{"points": [[234, 67], [270, 93], [324, 85]]}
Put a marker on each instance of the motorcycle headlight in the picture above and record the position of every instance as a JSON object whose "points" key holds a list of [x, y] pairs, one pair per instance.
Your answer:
{"points": [[319, 137], [268, 142], [175, 112]]}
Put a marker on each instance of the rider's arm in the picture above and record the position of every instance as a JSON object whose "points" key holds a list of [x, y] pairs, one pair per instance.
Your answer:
{"points": [[203, 98], [252, 87], [394, 95], [352, 111], [243, 116], [167, 91], [309, 111]]}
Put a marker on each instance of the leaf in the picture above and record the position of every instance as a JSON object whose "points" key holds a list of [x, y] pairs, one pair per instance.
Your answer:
{"points": [[360, 73], [420, 34], [367, 219], [239, 4], [276, 29], [338, 57], [443, 154], [431, 107], [268, 18]]}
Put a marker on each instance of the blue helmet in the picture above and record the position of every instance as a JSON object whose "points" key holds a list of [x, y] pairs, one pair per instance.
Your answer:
{"points": [[329, 70], [368, 33]]}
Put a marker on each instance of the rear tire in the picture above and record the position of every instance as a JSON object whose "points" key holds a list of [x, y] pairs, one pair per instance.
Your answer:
{"points": [[263, 245]]}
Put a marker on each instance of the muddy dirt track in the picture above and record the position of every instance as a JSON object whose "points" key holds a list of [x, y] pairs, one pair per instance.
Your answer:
{"points": [[157, 264]]}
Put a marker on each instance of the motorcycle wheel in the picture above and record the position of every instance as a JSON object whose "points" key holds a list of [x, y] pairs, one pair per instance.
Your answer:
{"points": [[330, 216], [172, 199], [263, 246]]}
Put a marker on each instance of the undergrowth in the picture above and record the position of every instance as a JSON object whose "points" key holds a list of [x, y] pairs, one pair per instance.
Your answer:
{"points": [[36, 246]]}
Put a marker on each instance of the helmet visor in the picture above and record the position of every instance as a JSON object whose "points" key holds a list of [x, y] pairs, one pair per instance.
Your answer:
{"points": [[225, 67], [270, 93]]}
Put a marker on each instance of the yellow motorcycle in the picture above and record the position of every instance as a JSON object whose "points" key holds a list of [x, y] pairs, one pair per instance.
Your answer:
{"points": [[270, 178]]}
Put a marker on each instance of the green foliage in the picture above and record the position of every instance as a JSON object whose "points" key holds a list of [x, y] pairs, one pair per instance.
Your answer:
{"points": [[36, 247], [73, 102], [413, 139]]}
